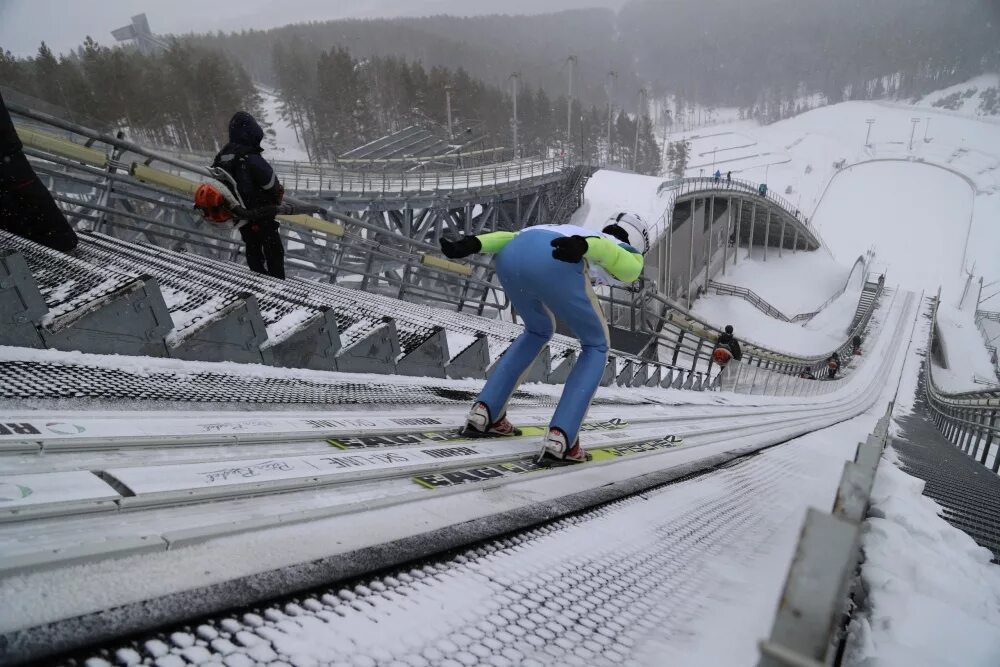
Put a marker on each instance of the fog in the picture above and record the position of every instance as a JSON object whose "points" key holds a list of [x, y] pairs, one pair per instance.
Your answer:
{"points": [[63, 24]]}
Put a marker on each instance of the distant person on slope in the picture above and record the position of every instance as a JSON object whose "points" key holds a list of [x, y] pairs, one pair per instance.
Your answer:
{"points": [[726, 348], [547, 271], [26, 206], [258, 187]]}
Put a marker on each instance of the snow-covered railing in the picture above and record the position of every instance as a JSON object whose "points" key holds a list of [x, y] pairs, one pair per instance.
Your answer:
{"points": [[755, 300], [690, 339], [808, 626], [315, 180], [969, 420], [989, 338]]}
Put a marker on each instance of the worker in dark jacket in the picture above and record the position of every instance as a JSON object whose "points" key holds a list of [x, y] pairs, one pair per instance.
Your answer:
{"points": [[26, 207], [729, 341], [258, 187]]}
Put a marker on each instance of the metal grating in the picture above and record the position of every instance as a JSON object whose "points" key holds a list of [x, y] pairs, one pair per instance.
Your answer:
{"points": [[65, 281], [41, 380], [278, 299], [968, 491]]}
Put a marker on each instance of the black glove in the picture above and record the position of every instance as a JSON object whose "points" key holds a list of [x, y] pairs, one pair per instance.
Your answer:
{"points": [[569, 248], [468, 245]]}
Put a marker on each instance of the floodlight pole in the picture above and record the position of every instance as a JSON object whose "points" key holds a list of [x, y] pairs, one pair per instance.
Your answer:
{"points": [[515, 80], [447, 98], [569, 102], [612, 76], [870, 121], [638, 120]]}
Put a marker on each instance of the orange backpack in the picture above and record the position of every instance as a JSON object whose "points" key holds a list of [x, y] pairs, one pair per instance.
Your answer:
{"points": [[212, 204], [721, 355]]}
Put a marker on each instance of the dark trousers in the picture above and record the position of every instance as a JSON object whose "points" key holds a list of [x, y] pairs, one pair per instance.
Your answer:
{"points": [[265, 254], [27, 209]]}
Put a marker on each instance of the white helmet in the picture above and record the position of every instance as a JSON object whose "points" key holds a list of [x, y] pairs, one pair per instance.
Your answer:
{"points": [[634, 227]]}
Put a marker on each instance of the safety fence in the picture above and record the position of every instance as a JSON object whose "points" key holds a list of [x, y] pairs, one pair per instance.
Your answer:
{"points": [[969, 420], [808, 628]]}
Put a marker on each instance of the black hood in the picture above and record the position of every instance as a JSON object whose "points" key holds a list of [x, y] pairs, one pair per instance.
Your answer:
{"points": [[244, 130]]}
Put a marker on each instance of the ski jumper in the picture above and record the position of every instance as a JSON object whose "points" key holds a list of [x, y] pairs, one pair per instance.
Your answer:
{"points": [[542, 288]]}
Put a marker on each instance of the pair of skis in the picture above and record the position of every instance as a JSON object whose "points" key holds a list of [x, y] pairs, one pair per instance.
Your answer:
{"points": [[545, 458]]}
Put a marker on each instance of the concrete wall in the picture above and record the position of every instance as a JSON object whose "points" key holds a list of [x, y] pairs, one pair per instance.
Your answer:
{"points": [[699, 230]]}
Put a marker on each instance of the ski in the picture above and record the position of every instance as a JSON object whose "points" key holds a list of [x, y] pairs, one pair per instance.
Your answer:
{"points": [[451, 436], [530, 464]]}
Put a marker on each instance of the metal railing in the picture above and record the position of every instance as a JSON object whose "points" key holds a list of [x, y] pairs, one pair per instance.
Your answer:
{"points": [[318, 181], [969, 420], [704, 183], [763, 306], [359, 249], [752, 298], [991, 347], [681, 340]]}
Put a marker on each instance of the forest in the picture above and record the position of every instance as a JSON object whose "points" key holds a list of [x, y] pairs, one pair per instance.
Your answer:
{"points": [[185, 95]]}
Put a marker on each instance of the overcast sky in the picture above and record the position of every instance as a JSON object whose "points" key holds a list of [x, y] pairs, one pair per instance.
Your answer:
{"points": [[63, 24]]}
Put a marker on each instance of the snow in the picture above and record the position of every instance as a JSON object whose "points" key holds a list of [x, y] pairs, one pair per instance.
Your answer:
{"points": [[964, 351], [966, 98], [919, 239], [933, 597], [794, 283], [608, 193], [930, 213], [285, 145], [906, 393], [818, 336], [816, 142], [458, 341], [286, 325]]}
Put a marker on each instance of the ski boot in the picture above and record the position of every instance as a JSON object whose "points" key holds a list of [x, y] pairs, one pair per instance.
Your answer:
{"points": [[478, 424], [554, 447]]}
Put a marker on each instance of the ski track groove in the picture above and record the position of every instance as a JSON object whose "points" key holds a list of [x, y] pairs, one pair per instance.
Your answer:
{"points": [[604, 587]]}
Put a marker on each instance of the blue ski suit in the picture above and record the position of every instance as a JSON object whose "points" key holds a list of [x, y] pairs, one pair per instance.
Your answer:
{"points": [[541, 289]]}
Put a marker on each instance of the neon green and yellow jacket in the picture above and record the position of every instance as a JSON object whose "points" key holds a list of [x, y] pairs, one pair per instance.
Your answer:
{"points": [[609, 260]]}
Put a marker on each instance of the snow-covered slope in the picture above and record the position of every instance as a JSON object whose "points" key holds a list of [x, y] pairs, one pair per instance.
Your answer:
{"points": [[964, 351], [285, 144], [793, 283], [881, 205], [917, 216], [608, 193]]}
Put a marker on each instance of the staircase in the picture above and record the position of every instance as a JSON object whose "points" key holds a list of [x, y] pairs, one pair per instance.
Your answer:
{"points": [[118, 297], [572, 195], [869, 295]]}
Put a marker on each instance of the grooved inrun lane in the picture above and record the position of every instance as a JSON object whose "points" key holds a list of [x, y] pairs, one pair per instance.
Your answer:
{"points": [[650, 579]]}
